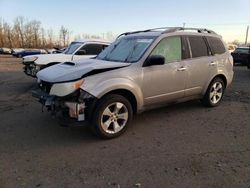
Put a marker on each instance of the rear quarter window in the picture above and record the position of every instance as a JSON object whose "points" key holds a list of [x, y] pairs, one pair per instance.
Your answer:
{"points": [[216, 45]]}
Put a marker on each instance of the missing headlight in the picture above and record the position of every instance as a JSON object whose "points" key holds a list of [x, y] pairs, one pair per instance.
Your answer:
{"points": [[84, 95]]}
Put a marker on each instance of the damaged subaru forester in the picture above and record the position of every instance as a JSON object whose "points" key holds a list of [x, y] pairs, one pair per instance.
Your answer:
{"points": [[139, 71]]}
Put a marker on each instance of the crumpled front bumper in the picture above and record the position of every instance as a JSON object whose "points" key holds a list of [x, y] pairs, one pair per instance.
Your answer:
{"points": [[30, 68], [45, 99], [68, 112]]}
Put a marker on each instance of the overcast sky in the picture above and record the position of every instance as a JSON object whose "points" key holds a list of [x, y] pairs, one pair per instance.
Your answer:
{"points": [[227, 17]]}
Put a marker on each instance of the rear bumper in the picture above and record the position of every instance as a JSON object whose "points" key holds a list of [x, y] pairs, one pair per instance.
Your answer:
{"points": [[69, 113]]}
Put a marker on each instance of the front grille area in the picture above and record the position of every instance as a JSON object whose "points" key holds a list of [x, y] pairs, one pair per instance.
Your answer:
{"points": [[45, 86]]}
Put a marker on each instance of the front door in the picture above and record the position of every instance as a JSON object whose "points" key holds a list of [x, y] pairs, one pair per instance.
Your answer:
{"points": [[165, 83]]}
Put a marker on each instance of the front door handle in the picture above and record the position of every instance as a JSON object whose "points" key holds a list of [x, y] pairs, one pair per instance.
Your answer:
{"points": [[213, 63], [182, 69]]}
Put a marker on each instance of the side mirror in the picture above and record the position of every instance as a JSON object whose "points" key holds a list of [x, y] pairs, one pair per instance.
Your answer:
{"points": [[154, 60], [81, 52]]}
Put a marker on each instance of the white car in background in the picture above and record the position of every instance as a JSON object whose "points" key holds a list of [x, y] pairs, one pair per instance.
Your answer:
{"points": [[82, 49]]}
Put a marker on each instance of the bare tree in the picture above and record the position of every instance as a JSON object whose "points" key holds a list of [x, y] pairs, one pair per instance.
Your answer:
{"points": [[43, 39], [8, 35], [1, 33], [35, 32], [19, 30], [50, 38], [64, 36]]}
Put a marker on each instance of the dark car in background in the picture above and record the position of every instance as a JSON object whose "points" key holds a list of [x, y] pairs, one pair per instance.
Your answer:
{"points": [[241, 55], [26, 52]]}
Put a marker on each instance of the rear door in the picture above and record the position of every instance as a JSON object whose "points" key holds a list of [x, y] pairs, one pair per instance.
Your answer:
{"points": [[199, 66]]}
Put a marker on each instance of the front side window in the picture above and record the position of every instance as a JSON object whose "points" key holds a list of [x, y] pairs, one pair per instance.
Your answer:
{"points": [[72, 47], [198, 46], [170, 49], [126, 49]]}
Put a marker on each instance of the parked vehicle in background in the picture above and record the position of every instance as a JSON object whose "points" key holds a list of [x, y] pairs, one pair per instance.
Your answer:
{"points": [[241, 55], [139, 71], [5, 51], [55, 50], [27, 52], [75, 51], [16, 50], [59, 50]]}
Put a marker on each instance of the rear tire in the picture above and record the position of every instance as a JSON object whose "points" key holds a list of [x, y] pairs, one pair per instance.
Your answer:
{"points": [[111, 117], [214, 93]]}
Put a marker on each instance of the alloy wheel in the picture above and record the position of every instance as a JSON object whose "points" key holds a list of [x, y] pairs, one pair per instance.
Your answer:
{"points": [[114, 118], [216, 92]]}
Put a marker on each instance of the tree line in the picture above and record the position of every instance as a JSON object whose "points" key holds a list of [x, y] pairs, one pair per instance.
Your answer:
{"points": [[30, 34], [24, 33]]}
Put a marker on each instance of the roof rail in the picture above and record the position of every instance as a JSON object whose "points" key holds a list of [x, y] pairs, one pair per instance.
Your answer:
{"points": [[147, 30], [170, 30], [199, 30]]}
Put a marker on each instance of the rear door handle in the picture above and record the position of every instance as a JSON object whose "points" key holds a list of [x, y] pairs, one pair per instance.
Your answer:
{"points": [[182, 69]]}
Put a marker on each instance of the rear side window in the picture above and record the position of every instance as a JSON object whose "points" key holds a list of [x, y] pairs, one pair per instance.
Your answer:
{"points": [[170, 48], [216, 45], [198, 46]]}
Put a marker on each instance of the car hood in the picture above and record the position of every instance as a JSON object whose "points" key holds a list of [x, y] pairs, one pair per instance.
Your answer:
{"points": [[44, 59], [69, 71]]}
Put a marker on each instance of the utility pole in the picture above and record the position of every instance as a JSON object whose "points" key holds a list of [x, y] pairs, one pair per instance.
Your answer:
{"points": [[246, 35]]}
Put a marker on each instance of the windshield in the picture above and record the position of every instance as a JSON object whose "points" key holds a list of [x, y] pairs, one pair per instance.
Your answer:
{"points": [[126, 49], [72, 47]]}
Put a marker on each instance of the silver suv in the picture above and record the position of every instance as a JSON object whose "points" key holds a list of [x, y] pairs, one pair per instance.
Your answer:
{"points": [[140, 70]]}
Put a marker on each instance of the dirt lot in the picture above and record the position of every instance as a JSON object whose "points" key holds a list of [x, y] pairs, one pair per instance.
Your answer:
{"points": [[185, 145]]}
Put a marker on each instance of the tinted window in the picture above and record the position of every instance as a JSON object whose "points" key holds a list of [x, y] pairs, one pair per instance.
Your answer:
{"points": [[242, 50], [170, 48], [198, 46], [216, 45], [93, 49]]}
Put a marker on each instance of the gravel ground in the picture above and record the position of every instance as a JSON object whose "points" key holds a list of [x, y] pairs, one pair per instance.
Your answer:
{"points": [[185, 145]]}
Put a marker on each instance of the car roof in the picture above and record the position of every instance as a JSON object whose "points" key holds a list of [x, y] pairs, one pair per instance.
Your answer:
{"points": [[172, 30], [91, 40], [243, 47]]}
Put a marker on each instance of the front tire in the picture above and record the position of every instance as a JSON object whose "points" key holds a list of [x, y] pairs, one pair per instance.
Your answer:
{"points": [[214, 93], [111, 117]]}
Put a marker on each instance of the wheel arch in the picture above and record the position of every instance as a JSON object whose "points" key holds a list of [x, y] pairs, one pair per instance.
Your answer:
{"points": [[221, 76], [122, 86], [128, 95]]}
